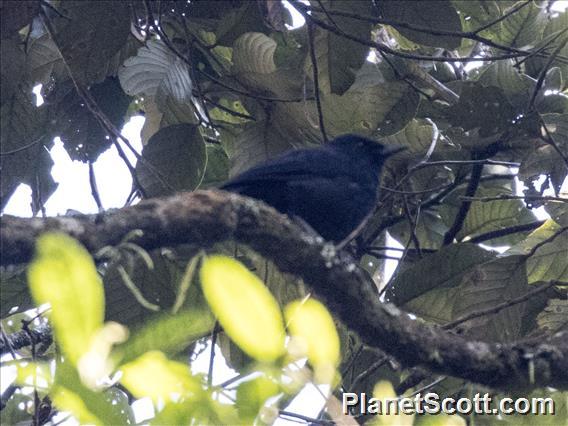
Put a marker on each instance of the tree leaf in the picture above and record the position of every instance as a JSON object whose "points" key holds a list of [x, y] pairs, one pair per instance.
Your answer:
{"points": [[153, 375], [314, 335], [254, 53], [255, 144], [64, 276], [488, 216], [516, 87], [252, 395], [487, 285], [11, 69], [548, 263], [554, 26], [339, 58], [443, 269], [217, 170], [486, 108], [83, 136], [15, 291], [246, 310], [554, 318], [22, 127], [90, 35], [168, 333], [254, 67], [156, 69], [522, 28], [177, 158], [434, 15]]}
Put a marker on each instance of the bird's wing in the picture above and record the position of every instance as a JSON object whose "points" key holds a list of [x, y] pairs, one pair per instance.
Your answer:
{"points": [[296, 165]]}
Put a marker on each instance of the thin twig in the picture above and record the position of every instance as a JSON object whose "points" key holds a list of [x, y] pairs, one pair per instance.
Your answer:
{"points": [[497, 308], [316, 80], [459, 220], [309, 420], [95, 110], [301, 8], [550, 140], [412, 224], [214, 335], [23, 148], [94, 188], [471, 35], [505, 231], [515, 197], [545, 241], [542, 74], [369, 370]]}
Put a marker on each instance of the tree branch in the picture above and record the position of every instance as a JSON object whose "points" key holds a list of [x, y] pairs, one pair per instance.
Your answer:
{"points": [[204, 218]]}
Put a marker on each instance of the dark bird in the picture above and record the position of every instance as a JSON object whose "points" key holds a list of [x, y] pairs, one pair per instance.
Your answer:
{"points": [[333, 188]]}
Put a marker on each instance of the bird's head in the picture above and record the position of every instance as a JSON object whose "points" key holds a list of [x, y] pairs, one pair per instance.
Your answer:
{"points": [[355, 145]]}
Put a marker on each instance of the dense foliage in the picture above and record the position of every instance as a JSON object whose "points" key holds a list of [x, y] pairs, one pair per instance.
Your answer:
{"points": [[474, 210]]}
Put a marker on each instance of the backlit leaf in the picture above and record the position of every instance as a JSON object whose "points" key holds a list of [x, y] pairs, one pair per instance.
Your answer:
{"points": [[153, 375], [246, 310], [313, 332], [63, 275]]}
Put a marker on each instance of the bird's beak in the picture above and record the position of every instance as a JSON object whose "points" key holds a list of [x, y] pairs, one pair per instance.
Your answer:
{"points": [[390, 150]]}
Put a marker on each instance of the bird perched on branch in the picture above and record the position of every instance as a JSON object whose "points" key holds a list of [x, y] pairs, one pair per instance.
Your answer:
{"points": [[333, 188]]}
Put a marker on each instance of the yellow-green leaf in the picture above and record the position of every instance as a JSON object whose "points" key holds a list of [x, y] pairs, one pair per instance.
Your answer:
{"points": [[244, 307], [66, 400], [313, 330], [153, 375], [384, 392], [548, 250], [252, 395], [64, 276]]}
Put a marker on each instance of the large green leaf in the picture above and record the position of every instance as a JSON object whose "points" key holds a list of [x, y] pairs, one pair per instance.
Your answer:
{"points": [[477, 13], [169, 333], [483, 108], [11, 69], [486, 216], [88, 406], [244, 307], [443, 269], [554, 318], [554, 26], [63, 274], [239, 17], [548, 263], [254, 67], [217, 170], [83, 136], [25, 158], [156, 70], [44, 61], [338, 58], [174, 160], [523, 28], [516, 86], [89, 35], [487, 285], [431, 15], [417, 136], [14, 290], [429, 230], [255, 144]]}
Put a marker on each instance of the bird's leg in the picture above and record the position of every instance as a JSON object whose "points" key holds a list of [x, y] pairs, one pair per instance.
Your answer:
{"points": [[355, 232]]}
